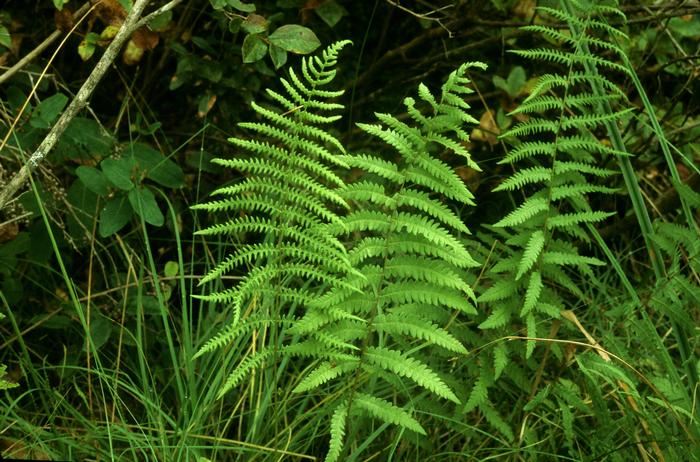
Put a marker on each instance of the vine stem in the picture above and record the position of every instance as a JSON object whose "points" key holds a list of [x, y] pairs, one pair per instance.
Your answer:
{"points": [[130, 24]]}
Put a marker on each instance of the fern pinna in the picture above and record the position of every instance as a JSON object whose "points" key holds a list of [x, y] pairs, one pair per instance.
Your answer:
{"points": [[378, 337], [558, 157], [288, 198]]}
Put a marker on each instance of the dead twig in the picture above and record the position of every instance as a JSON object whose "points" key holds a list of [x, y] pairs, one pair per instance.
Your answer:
{"points": [[132, 22]]}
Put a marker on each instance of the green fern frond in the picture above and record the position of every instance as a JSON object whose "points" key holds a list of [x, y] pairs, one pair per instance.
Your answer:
{"points": [[387, 412], [499, 317], [559, 160], [418, 328], [323, 373], [233, 331], [407, 243], [245, 368], [534, 247], [479, 394], [405, 366], [338, 422]]}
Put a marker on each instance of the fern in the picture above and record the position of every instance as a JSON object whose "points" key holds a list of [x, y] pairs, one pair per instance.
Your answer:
{"points": [[414, 264], [557, 156], [288, 198], [559, 170]]}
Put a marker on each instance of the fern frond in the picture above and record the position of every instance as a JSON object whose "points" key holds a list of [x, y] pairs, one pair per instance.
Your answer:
{"points": [[532, 252], [405, 366], [338, 422], [395, 324], [387, 412], [323, 373]]}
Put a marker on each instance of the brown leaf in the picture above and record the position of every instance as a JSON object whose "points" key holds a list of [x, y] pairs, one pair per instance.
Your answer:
{"points": [[132, 53], [525, 9], [64, 19], [204, 109], [8, 231], [109, 11], [470, 176], [145, 39], [488, 130]]}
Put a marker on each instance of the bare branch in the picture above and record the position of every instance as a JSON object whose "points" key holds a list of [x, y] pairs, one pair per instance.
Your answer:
{"points": [[130, 24]]}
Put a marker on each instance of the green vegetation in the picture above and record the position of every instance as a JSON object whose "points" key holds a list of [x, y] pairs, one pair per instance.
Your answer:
{"points": [[263, 257]]}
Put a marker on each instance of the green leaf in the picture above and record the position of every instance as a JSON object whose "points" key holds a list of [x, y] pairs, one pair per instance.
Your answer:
{"points": [[5, 39], [93, 179], [116, 213], [516, 81], [87, 46], [59, 4], [157, 167], [143, 201], [685, 28], [240, 6], [253, 48], [498, 318], [85, 139], [254, 24], [295, 39], [278, 56], [500, 359], [118, 172], [161, 21], [331, 12], [171, 269], [48, 111], [100, 330]]}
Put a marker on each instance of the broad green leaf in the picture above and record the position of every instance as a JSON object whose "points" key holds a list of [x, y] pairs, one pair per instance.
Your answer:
{"points": [[48, 111], [59, 4], [87, 46], [161, 21], [331, 12], [116, 213], [234, 25], [253, 48], [127, 4], [5, 39], [240, 6], [156, 166], [143, 201], [84, 139], [254, 24], [84, 211], [100, 330], [278, 56], [685, 28], [118, 172], [93, 179], [516, 80], [171, 269], [295, 38]]}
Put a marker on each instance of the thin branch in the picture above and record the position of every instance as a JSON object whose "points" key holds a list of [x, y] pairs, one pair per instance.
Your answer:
{"points": [[163, 9], [129, 25], [40, 48]]}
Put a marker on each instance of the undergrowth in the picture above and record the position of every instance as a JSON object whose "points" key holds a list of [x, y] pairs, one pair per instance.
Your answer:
{"points": [[348, 313]]}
